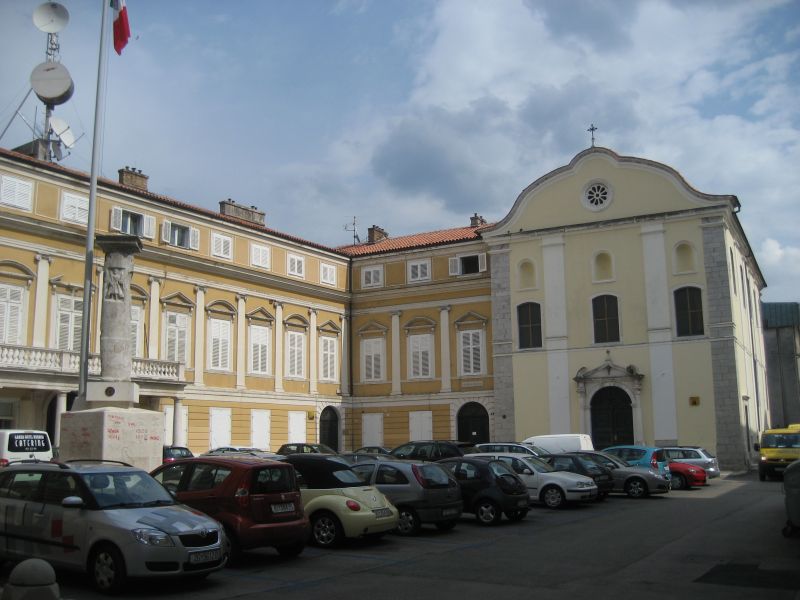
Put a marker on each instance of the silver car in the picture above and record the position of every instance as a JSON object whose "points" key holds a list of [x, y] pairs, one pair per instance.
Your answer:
{"points": [[694, 455], [110, 520], [512, 447], [634, 480], [421, 491]]}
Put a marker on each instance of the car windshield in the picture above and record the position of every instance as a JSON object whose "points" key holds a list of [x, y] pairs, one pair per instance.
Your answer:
{"points": [[706, 452], [539, 465], [126, 489], [780, 440], [589, 464], [536, 449], [500, 468], [603, 456]]}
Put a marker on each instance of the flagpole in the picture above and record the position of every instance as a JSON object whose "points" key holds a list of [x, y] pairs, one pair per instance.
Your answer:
{"points": [[97, 152]]}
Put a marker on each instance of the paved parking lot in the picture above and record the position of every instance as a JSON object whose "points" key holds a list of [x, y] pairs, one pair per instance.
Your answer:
{"points": [[722, 541]]}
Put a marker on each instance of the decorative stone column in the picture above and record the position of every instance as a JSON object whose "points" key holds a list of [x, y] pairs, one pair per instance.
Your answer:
{"points": [[396, 387], [313, 335], [444, 329], [279, 346], [40, 302], [154, 326], [177, 422], [199, 334], [344, 376], [241, 340], [99, 315], [61, 408]]}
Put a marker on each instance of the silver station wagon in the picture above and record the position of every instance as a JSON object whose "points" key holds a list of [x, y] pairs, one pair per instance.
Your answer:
{"points": [[110, 520]]}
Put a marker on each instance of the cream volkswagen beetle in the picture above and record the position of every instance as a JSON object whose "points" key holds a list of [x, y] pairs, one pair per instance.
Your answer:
{"points": [[110, 520]]}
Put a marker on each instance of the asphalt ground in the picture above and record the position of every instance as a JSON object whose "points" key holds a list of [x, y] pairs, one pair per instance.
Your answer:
{"points": [[720, 541]]}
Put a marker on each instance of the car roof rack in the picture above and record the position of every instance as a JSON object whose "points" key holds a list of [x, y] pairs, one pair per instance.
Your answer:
{"points": [[99, 461], [30, 461]]}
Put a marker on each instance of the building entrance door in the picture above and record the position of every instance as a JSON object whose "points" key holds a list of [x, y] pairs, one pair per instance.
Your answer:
{"points": [[612, 418], [329, 428], [473, 423]]}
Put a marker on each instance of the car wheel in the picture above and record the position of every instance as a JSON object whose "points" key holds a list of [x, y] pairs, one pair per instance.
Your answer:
{"points": [[553, 497], [232, 547], [636, 488], [679, 482], [516, 515], [409, 523], [290, 550], [762, 475], [487, 512], [446, 525], [326, 531], [107, 569]]}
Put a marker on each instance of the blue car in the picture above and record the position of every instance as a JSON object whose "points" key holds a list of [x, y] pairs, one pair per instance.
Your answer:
{"points": [[646, 456]]}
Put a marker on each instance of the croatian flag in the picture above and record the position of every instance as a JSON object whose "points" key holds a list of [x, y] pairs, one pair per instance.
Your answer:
{"points": [[122, 30]]}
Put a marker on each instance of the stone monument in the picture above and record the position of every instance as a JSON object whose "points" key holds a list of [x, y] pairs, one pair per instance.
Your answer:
{"points": [[107, 426]]}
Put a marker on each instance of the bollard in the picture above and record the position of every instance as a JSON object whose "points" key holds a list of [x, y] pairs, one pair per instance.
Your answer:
{"points": [[32, 579]]}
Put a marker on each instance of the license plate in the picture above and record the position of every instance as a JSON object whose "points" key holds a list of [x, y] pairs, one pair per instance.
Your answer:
{"points": [[450, 512], [383, 512], [283, 508], [522, 503], [205, 556]]}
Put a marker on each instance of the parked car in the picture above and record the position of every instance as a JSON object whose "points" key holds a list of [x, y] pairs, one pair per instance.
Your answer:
{"points": [[511, 447], [373, 450], [24, 444], [433, 450], [226, 450], [422, 492], [646, 456], [695, 455], [337, 501], [634, 480], [684, 476], [791, 498], [546, 485], [305, 449], [109, 520], [355, 458], [172, 453], [561, 442], [577, 463], [257, 500], [489, 489]]}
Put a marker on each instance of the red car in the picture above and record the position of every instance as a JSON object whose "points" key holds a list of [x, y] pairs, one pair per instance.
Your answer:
{"points": [[685, 476]]}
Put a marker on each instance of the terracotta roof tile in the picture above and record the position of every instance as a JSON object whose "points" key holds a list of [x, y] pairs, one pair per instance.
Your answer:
{"points": [[417, 240]]}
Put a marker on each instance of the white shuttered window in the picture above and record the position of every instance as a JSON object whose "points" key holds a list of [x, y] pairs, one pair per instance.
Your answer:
{"points": [[372, 359], [259, 256], [177, 327], [221, 245], [219, 348], [471, 352], [11, 297], [295, 354], [421, 356], [259, 349], [16, 192], [327, 358], [68, 320], [136, 331], [74, 209]]}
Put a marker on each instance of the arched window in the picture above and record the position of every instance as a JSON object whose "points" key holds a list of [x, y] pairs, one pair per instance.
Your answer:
{"points": [[689, 311], [529, 321], [606, 319], [684, 258], [527, 274], [603, 268]]}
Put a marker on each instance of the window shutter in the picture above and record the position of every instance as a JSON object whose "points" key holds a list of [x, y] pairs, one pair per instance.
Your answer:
{"points": [[466, 363], [136, 315], [414, 272], [16, 193], [166, 232], [63, 330], [368, 277], [77, 319], [482, 262], [116, 218], [455, 265], [149, 227], [194, 238]]}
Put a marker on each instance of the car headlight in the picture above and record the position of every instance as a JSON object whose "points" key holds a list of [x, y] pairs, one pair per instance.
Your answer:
{"points": [[585, 484], [693, 471], [152, 537]]}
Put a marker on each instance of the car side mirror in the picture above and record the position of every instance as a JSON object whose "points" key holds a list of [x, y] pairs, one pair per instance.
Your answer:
{"points": [[72, 502], [527, 472]]}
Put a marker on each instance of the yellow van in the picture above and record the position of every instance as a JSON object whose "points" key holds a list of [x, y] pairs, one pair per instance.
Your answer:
{"points": [[777, 448]]}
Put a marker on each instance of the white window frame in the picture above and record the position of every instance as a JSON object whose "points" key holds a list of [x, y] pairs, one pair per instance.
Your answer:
{"points": [[16, 192], [137, 325], [465, 369], [260, 421], [179, 316], [296, 265], [12, 314], [370, 348], [257, 348], [219, 417], [292, 360], [414, 270], [75, 317], [420, 425], [193, 235], [328, 358], [74, 208], [372, 277], [372, 429], [118, 222], [327, 273], [224, 337], [455, 265], [221, 245], [419, 345], [260, 256]]}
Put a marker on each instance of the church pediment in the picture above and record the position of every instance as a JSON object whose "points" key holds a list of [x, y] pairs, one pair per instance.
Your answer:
{"points": [[608, 370]]}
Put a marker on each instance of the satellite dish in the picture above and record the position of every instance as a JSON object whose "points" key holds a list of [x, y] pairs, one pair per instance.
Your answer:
{"points": [[62, 130], [50, 17], [52, 83]]}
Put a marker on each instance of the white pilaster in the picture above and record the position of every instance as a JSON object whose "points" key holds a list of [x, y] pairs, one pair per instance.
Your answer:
{"points": [[40, 301], [61, 408], [444, 329], [313, 338], [154, 320], [555, 326], [177, 424], [98, 320], [396, 388], [241, 337], [344, 375], [199, 335], [278, 346]]}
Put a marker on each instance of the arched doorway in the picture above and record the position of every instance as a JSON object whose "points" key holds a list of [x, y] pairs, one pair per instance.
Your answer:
{"points": [[473, 423], [612, 418], [329, 428]]}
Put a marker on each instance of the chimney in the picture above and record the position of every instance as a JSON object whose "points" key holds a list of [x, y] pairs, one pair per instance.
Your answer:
{"points": [[376, 234], [240, 211], [476, 220], [133, 178]]}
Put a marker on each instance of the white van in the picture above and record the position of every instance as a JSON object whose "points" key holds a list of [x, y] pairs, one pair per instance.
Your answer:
{"points": [[562, 442], [21, 444]]}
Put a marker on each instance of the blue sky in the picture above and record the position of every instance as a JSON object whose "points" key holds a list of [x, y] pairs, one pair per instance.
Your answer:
{"points": [[414, 114]]}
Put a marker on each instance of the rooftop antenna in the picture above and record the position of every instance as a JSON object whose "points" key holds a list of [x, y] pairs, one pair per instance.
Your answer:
{"points": [[352, 227]]}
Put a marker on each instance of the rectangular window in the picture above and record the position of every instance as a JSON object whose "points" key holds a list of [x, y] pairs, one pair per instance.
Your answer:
{"points": [[260, 428], [259, 256], [133, 223], [68, 320], [219, 348], [689, 311], [296, 265], [11, 297], [177, 328], [221, 246], [327, 358], [327, 274], [372, 276], [419, 270], [529, 322], [295, 354], [136, 330], [16, 192], [260, 336], [606, 319], [180, 236], [468, 264], [372, 350], [471, 352], [420, 425], [74, 209], [420, 363]]}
